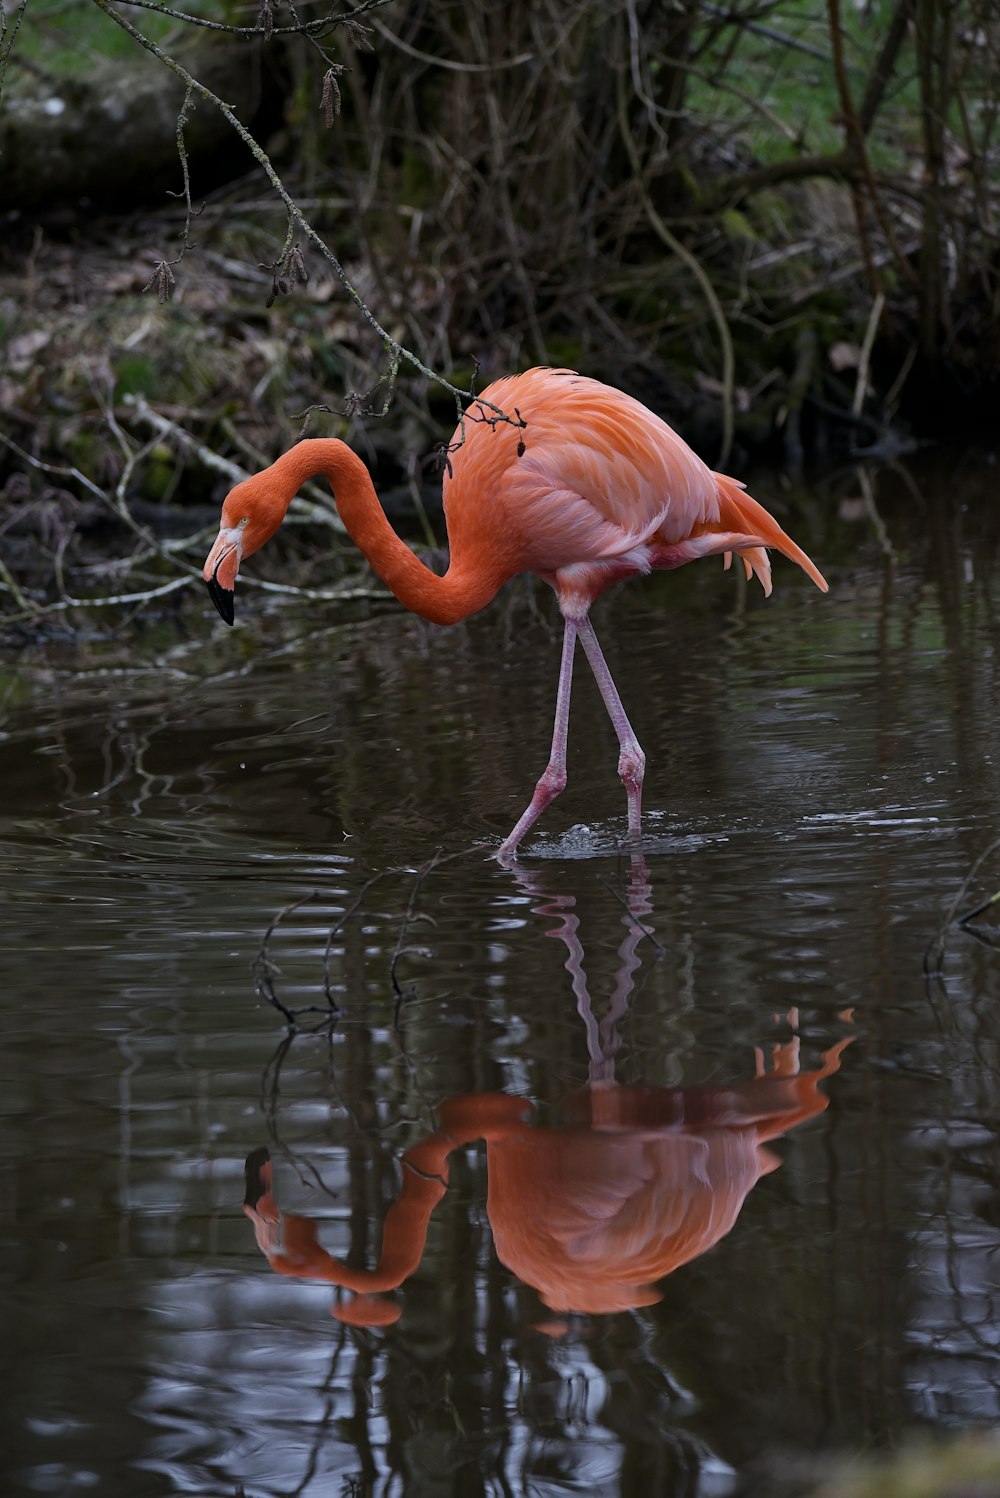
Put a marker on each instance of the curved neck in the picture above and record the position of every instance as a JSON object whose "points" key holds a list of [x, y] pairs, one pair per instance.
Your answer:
{"points": [[484, 1115], [444, 600]]}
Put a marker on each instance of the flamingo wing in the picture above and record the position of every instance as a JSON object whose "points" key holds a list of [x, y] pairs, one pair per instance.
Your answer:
{"points": [[590, 474], [594, 477]]}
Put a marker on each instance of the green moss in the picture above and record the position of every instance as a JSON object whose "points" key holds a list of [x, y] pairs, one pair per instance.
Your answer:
{"points": [[83, 449], [159, 474], [737, 226], [966, 1467], [135, 375]]}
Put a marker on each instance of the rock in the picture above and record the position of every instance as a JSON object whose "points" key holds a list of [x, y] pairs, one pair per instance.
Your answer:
{"points": [[106, 138]]}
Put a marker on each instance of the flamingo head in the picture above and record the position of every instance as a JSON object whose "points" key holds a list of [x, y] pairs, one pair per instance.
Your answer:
{"points": [[250, 517]]}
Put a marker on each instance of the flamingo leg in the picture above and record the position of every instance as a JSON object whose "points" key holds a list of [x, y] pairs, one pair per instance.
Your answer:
{"points": [[553, 777], [631, 760]]}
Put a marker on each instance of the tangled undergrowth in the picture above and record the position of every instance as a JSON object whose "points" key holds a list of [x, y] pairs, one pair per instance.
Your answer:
{"points": [[749, 218]]}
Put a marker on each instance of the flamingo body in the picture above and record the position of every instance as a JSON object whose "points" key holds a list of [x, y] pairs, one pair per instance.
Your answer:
{"points": [[590, 488], [641, 1181], [593, 488]]}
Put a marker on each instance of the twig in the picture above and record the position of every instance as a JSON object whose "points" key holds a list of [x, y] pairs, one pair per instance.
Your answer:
{"points": [[307, 510], [288, 270], [32, 611], [335, 931], [733, 18], [868, 494], [970, 915], [722, 86], [205, 455], [115, 600], [8, 36], [304, 28], [317, 595], [118, 506], [895, 389], [58, 470], [263, 968], [8, 583], [861, 384], [653, 110], [163, 277], [295, 214], [422, 873], [646, 932], [697, 270], [854, 137], [448, 63], [418, 501], [117, 499], [934, 955]]}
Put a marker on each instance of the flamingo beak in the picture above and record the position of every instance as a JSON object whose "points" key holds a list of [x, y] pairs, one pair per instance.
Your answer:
{"points": [[220, 570]]}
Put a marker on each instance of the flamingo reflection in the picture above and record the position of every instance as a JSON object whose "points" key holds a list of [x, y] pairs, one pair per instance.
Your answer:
{"points": [[631, 1183]]}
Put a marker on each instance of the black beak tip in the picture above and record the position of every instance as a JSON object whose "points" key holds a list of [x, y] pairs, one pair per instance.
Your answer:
{"points": [[223, 598]]}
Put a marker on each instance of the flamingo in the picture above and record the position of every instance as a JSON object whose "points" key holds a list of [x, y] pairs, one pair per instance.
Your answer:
{"points": [[591, 1209], [592, 1212], [583, 486]]}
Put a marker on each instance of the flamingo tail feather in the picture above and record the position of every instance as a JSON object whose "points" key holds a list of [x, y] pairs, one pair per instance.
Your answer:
{"points": [[739, 512]]}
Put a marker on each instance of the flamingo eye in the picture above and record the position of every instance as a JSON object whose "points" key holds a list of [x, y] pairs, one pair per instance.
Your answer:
{"points": [[244, 521]]}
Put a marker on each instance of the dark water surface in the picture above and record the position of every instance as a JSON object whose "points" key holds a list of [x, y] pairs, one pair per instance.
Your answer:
{"points": [[613, 1176]]}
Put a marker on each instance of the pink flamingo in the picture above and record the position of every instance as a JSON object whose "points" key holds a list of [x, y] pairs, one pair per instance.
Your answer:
{"points": [[630, 1183], [589, 489], [635, 1183]]}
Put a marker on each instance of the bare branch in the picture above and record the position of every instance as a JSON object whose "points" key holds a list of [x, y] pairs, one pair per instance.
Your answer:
{"points": [[317, 27], [295, 213], [8, 36], [163, 277], [450, 64], [695, 266], [105, 601]]}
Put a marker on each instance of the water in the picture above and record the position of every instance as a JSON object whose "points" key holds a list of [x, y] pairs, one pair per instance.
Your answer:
{"points": [[698, 1172]]}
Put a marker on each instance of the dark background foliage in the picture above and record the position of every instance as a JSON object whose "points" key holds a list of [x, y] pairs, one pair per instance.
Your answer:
{"points": [[775, 222]]}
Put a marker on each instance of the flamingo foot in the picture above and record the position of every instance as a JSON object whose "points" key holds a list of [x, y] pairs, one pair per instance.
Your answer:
{"points": [[631, 770], [550, 783]]}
